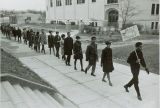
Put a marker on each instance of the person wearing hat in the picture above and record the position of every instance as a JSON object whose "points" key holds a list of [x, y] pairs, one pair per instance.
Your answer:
{"points": [[78, 54], [43, 40], [107, 62], [51, 42], [136, 59], [19, 34], [24, 34], [91, 56], [57, 43], [62, 46], [68, 47]]}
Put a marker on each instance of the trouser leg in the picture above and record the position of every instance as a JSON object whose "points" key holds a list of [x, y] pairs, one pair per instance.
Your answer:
{"points": [[88, 67], [81, 62], [75, 61], [93, 68]]}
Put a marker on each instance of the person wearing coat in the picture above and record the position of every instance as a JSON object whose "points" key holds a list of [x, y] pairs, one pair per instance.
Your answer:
{"points": [[68, 47], [43, 40], [19, 35], [62, 46], [31, 38], [51, 42], [37, 42], [106, 62], [78, 54], [57, 43], [92, 56], [24, 34], [136, 59]]}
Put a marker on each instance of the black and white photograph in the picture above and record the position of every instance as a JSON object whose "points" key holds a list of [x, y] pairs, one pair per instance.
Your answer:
{"points": [[79, 54]]}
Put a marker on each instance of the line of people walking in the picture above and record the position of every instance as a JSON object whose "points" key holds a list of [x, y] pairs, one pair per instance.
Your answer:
{"points": [[69, 48]]}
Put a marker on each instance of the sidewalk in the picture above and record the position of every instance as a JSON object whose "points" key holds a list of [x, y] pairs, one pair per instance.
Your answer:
{"points": [[85, 90]]}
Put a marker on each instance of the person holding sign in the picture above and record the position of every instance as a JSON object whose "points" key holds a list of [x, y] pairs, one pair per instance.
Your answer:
{"points": [[136, 59]]}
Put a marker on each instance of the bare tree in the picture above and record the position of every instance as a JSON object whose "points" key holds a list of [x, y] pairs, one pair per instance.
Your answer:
{"points": [[127, 11]]}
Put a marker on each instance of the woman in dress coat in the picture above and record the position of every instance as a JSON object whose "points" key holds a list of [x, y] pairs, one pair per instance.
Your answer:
{"points": [[62, 46], [77, 50], [106, 62]]}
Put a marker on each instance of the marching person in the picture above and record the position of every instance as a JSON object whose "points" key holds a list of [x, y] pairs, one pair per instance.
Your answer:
{"points": [[62, 46], [14, 31], [37, 42], [57, 43], [92, 56], [51, 42], [43, 40], [78, 54], [135, 59], [24, 34], [68, 47], [106, 62], [30, 38], [19, 35]]}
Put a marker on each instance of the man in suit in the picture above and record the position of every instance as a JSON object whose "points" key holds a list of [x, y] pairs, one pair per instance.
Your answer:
{"points": [[57, 43], [136, 59], [51, 42], [92, 56], [68, 47], [19, 35]]}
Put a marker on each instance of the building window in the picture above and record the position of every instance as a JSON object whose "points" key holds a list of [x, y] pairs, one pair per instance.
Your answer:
{"points": [[80, 1], [112, 1], [152, 25], [93, 0], [153, 9], [51, 3], [68, 2], [157, 9], [156, 26], [58, 3]]}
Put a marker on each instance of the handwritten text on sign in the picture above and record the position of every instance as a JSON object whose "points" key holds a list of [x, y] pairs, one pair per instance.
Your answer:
{"points": [[130, 33]]}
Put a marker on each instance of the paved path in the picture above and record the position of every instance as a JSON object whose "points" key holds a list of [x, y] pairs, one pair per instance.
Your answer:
{"points": [[85, 90]]}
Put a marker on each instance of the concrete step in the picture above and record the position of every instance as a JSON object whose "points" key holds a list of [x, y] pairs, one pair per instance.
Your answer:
{"points": [[38, 100], [52, 100], [13, 95], [43, 98], [5, 101], [25, 97]]}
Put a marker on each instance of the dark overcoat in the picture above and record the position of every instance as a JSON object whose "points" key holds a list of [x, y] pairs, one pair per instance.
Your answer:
{"points": [[57, 39], [68, 46], [92, 54], [77, 50], [106, 60], [50, 41], [134, 55]]}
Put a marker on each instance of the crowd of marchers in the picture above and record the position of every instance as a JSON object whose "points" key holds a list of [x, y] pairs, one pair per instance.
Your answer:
{"points": [[37, 41]]}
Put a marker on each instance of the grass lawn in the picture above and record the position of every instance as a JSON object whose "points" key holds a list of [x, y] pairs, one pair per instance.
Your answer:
{"points": [[12, 65]]}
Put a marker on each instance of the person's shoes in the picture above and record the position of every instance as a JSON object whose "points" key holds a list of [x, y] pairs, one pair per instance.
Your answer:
{"points": [[93, 74], [104, 80], [85, 71], [110, 84], [75, 68], [82, 70], [66, 62], [126, 88], [139, 98]]}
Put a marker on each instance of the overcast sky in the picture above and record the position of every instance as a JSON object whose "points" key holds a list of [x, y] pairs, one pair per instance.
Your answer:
{"points": [[22, 4]]}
